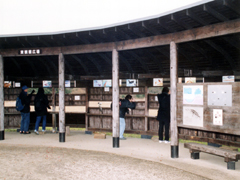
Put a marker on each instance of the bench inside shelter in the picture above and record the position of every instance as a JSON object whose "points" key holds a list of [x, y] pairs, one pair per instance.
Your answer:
{"points": [[230, 157]]}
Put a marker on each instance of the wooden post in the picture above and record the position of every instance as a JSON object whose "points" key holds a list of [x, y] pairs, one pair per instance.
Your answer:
{"points": [[173, 86], [146, 108], [115, 98], [1, 99], [61, 69], [86, 114], [54, 130]]}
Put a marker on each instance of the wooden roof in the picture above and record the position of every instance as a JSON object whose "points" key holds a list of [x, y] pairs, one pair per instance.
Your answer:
{"points": [[220, 53]]}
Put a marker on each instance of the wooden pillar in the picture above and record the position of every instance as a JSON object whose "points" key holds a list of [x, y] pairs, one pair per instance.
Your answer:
{"points": [[61, 69], [146, 108], [1, 99], [173, 85], [115, 98], [86, 114], [54, 130]]}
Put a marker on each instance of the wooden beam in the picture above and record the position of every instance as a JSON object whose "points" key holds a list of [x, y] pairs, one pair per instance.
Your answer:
{"points": [[173, 83], [81, 63], [214, 13], [223, 52], [61, 101], [1, 99], [115, 99], [210, 31]]}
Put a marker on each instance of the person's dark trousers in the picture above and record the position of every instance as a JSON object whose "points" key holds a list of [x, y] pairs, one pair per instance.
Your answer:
{"points": [[160, 131]]}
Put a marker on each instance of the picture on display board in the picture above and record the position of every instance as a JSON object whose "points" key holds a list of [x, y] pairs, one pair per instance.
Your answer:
{"points": [[131, 82], [190, 80], [228, 79], [67, 83], [193, 116], [97, 83], [218, 117], [7, 84], [157, 81], [193, 95], [47, 83], [107, 83]]}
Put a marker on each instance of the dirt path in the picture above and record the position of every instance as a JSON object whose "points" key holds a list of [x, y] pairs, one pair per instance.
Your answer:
{"points": [[38, 162]]}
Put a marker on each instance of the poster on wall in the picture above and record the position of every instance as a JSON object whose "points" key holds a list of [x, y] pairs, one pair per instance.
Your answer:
{"points": [[220, 95], [193, 95], [131, 82], [190, 80], [217, 117], [107, 83], [157, 81], [77, 98], [7, 84], [67, 83], [47, 83], [17, 84], [193, 116], [228, 79], [97, 83]]}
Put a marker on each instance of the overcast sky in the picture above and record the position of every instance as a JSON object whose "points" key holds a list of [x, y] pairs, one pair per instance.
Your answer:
{"points": [[26, 17]]}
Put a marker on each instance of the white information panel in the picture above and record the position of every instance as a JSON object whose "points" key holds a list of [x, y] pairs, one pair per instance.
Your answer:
{"points": [[220, 95], [193, 116], [193, 95], [218, 117]]}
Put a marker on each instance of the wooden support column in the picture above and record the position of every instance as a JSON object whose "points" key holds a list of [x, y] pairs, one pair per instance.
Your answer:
{"points": [[115, 98], [86, 115], [1, 99], [173, 86], [146, 108], [61, 69], [54, 130]]}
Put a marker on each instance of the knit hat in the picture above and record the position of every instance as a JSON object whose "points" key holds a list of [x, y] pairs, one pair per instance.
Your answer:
{"points": [[24, 87]]}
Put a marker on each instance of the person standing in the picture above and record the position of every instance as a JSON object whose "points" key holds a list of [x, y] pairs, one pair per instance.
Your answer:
{"points": [[41, 104], [125, 105], [164, 114], [25, 112]]}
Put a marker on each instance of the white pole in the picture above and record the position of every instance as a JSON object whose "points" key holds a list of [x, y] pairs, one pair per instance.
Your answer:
{"points": [[1, 99], [61, 68], [115, 98], [173, 83]]}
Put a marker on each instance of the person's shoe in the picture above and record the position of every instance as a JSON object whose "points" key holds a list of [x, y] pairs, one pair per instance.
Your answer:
{"points": [[167, 142], [160, 141], [123, 138], [27, 132], [44, 131], [36, 132]]}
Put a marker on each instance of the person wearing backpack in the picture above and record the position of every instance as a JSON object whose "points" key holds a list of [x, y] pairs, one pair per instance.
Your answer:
{"points": [[25, 112], [125, 105], [41, 104], [164, 114]]}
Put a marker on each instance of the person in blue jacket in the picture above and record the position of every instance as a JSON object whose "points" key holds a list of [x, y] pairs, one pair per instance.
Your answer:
{"points": [[164, 114], [25, 112], [125, 105]]}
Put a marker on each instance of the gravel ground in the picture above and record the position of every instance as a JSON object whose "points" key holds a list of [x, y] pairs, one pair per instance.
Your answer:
{"points": [[41, 162]]}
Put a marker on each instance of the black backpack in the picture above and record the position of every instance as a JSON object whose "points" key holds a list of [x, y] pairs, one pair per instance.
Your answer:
{"points": [[39, 105]]}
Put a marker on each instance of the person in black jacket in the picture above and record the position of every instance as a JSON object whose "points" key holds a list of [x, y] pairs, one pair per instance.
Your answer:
{"points": [[25, 112], [125, 105], [41, 104], [164, 114]]}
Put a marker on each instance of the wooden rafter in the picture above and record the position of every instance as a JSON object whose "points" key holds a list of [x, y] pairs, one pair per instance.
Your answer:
{"points": [[209, 31]]}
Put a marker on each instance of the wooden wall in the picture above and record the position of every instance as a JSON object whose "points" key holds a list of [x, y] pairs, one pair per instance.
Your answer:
{"points": [[228, 133]]}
